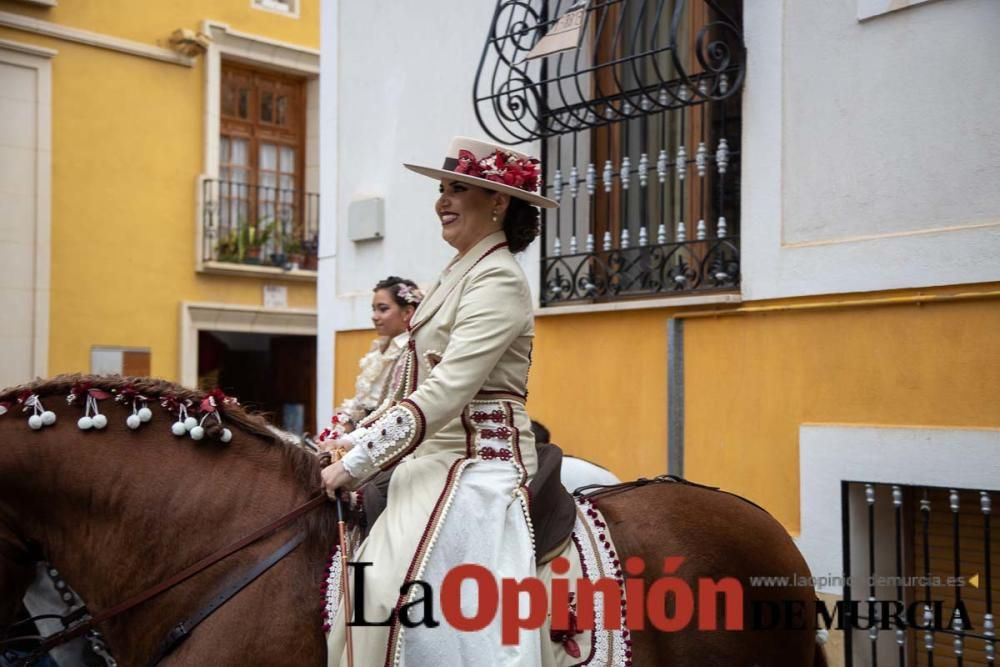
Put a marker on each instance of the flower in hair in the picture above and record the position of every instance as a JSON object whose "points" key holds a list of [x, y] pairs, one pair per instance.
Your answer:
{"points": [[409, 294]]}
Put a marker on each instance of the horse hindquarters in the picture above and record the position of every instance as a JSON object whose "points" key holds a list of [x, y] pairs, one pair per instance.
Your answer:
{"points": [[718, 535]]}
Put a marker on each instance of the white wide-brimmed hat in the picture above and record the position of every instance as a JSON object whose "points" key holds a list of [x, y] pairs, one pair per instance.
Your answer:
{"points": [[491, 166]]}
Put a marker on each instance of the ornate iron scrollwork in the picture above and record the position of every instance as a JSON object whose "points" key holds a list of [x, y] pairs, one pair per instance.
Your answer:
{"points": [[668, 268], [629, 63]]}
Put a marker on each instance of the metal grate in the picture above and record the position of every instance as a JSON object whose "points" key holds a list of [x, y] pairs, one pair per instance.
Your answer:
{"points": [[641, 133], [930, 549]]}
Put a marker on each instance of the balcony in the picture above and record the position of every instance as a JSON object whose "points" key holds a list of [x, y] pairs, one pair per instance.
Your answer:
{"points": [[258, 229]]}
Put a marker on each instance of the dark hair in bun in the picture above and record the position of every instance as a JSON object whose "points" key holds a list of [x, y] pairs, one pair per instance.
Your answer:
{"points": [[521, 224]]}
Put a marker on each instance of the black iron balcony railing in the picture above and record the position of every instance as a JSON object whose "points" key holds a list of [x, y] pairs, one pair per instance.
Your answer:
{"points": [[640, 130], [646, 270], [259, 225]]}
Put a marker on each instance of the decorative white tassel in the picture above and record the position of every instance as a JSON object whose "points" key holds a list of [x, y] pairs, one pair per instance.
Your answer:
{"points": [[40, 417]]}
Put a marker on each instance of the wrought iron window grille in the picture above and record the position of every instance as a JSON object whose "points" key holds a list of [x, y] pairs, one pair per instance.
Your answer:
{"points": [[640, 134], [932, 550], [257, 225]]}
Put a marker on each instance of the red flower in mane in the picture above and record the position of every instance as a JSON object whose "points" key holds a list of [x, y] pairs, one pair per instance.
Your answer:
{"points": [[82, 389], [79, 390], [173, 404], [215, 398], [128, 393]]}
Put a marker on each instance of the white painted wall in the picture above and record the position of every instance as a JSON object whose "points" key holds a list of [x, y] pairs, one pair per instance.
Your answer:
{"points": [[871, 149], [396, 86], [833, 453]]}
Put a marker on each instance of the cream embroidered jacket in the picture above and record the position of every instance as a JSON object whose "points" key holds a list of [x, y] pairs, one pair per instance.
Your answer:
{"points": [[471, 335]]}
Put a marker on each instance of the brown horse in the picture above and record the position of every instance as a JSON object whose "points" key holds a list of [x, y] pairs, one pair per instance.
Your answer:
{"points": [[119, 510], [718, 535]]}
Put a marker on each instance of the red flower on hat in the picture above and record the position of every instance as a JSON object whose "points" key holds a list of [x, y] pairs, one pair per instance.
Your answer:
{"points": [[499, 167], [468, 164]]}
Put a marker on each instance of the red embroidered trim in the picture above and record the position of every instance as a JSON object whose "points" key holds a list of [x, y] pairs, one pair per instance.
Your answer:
{"points": [[413, 365], [586, 575], [421, 419], [489, 453], [496, 416], [419, 554], [586, 505], [418, 416], [516, 444], [502, 433]]}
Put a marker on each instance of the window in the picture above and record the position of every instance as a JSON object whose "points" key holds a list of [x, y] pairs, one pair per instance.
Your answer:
{"points": [[640, 137], [264, 215]]}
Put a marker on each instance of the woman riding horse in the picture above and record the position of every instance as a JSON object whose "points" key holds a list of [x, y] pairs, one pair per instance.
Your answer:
{"points": [[455, 426]]}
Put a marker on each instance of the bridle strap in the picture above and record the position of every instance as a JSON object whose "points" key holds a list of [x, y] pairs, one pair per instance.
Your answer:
{"points": [[134, 601], [182, 630]]}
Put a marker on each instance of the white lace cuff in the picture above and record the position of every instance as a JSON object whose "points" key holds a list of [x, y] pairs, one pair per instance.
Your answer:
{"points": [[357, 463], [384, 441]]}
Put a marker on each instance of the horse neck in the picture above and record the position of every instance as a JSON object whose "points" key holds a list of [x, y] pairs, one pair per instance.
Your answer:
{"points": [[120, 511]]}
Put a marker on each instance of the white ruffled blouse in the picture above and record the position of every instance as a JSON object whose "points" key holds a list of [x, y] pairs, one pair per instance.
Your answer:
{"points": [[376, 366]]}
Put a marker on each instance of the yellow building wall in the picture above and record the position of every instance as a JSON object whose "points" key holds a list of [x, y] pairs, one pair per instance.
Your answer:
{"points": [[349, 347], [152, 21], [597, 382], [752, 379], [127, 148]]}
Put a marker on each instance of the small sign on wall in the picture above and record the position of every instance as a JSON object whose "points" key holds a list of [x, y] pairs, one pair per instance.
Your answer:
{"points": [[120, 361], [275, 296]]}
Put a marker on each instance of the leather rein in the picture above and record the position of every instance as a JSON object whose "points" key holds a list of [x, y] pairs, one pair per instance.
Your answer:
{"points": [[180, 630]]}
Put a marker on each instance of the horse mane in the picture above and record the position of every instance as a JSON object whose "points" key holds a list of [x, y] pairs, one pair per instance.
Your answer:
{"points": [[303, 463]]}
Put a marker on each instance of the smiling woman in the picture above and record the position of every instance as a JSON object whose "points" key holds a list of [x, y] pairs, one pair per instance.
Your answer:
{"points": [[394, 301], [454, 427]]}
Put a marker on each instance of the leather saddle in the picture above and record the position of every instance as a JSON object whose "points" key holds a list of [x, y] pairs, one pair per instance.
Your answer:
{"points": [[552, 508]]}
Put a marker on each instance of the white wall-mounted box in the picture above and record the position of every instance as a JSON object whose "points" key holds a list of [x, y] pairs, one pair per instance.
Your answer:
{"points": [[365, 221]]}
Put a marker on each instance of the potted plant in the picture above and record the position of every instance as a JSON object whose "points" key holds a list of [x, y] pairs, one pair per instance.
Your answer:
{"points": [[254, 239], [228, 249], [279, 243], [296, 255]]}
